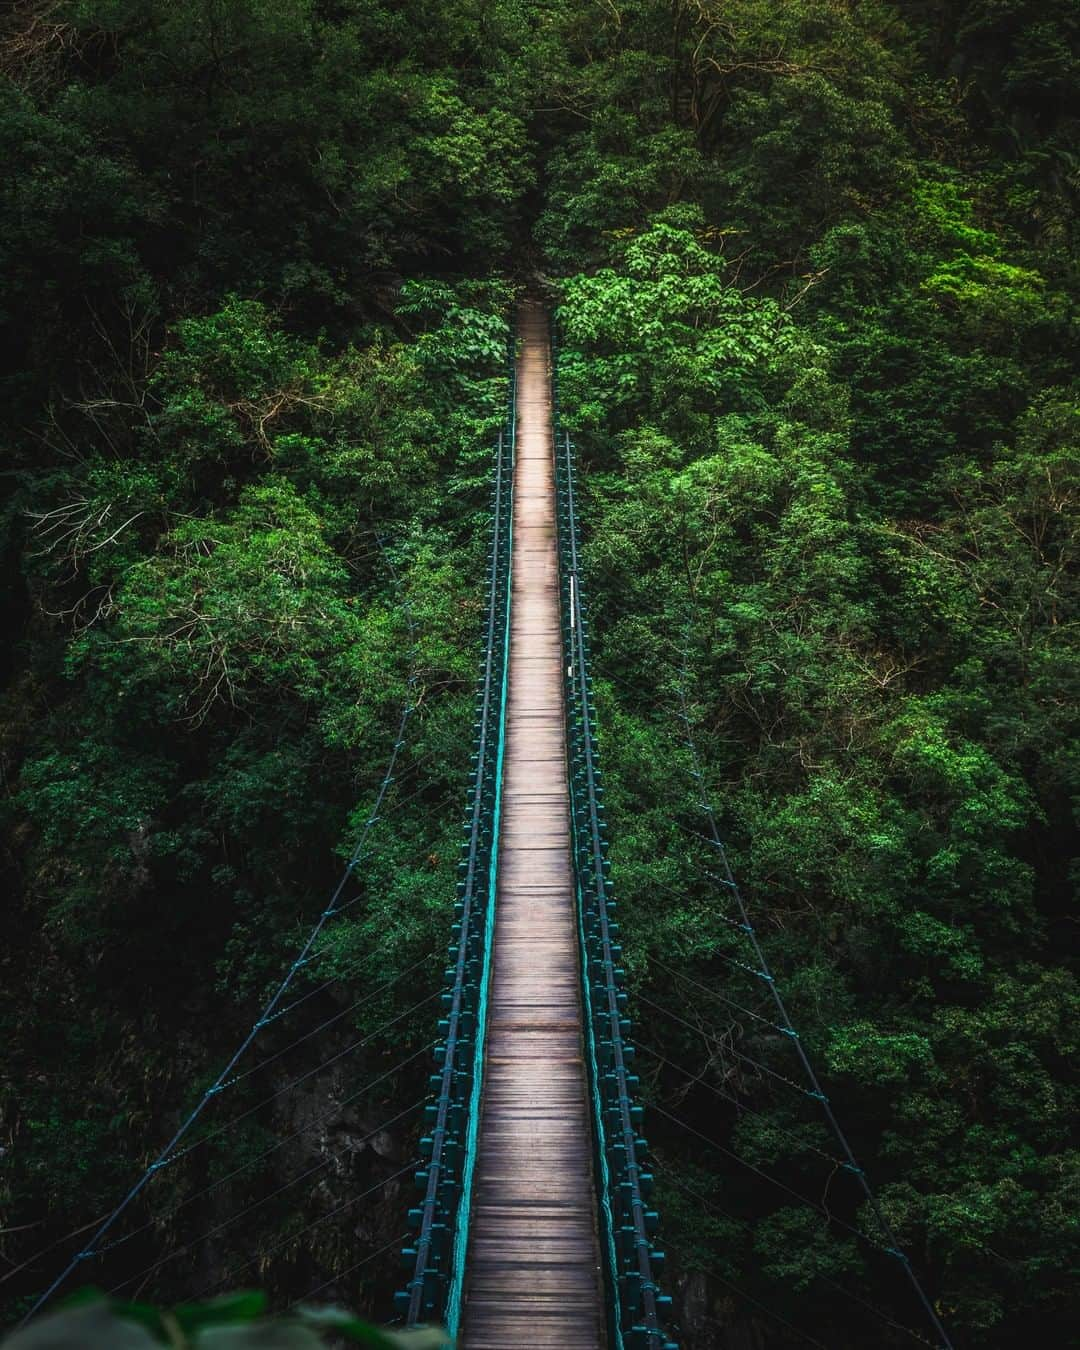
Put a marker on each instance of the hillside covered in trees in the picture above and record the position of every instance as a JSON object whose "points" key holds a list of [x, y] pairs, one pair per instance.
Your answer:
{"points": [[815, 272]]}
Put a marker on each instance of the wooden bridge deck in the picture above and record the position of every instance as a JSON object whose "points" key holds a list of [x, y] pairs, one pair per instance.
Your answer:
{"points": [[533, 1267]]}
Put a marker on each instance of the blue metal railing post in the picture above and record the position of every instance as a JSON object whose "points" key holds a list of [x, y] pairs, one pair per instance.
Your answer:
{"points": [[441, 1221], [624, 1184]]}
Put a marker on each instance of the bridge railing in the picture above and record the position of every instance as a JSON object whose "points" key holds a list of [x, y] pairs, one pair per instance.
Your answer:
{"points": [[636, 1307], [448, 1147]]}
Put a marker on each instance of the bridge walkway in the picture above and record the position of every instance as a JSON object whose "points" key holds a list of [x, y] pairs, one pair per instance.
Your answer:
{"points": [[533, 1267]]}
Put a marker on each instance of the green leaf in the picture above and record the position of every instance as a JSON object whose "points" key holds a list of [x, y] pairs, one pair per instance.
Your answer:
{"points": [[344, 1323], [244, 1306], [92, 1327], [261, 1335]]}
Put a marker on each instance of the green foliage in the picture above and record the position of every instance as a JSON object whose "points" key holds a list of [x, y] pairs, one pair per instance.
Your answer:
{"points": [[231, 1322], [817, 267], [219, 665], [872, 632]]}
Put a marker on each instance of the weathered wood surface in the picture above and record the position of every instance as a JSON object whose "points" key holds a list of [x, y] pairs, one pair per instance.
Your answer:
{"points": [[532, 1274]]}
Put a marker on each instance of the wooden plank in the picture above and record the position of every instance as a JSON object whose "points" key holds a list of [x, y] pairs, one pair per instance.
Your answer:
{"points": [[533, 1267]]}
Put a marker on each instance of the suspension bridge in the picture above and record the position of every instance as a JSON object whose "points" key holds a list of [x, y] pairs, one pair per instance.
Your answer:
{"points": [[533, 1222]]}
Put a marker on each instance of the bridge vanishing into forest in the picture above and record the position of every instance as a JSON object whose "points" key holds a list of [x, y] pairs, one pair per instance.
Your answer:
{"points": [[534, 1224], [535, 1119]]}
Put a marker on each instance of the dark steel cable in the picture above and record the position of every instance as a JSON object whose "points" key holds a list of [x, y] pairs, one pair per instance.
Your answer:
{"points": [[256, 1204], [748, 1227], [739, 1104], [738, 1054], [771, 1312], [394, 1242], [715, 993], [329, 1022], [216, 1087], [280, 1143], [490, 725], [302, 1078], [728, 878], [648, 1291], [710, 1204], [293, 1237], [336, 979], [765, 1176]]}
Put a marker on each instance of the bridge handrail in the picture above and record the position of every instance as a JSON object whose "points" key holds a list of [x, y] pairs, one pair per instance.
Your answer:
{"points": [[441, 1221], [637, 1307]]}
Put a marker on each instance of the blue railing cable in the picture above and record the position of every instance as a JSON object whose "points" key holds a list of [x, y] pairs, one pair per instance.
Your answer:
{"points": [[441, 1222], [633, 1264]]}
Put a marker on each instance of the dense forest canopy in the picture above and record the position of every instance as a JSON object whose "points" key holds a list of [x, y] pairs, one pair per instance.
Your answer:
{"points": [[815, 267]]}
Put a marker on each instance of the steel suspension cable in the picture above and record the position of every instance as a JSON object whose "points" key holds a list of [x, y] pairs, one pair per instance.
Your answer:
{"points": [[630, 1251], [336, 979], [303, 1077], [748, 1228], [715, 993], [349, 1270], [294, 1237], [186, 1247], [261, 1157], [732, 886], [770, 1312], [738, 1054], [306, 1036], [698, 1081], [773, 1181], [763, 973], [301, 960]]}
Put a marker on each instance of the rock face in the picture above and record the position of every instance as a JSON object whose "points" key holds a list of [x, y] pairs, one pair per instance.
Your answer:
{"points": [[354, 1201], [708, 1318], [316, 1194]]}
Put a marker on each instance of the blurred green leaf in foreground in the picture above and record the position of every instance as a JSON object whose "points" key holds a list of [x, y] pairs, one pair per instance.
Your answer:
{"points": [[91, 1321]]}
